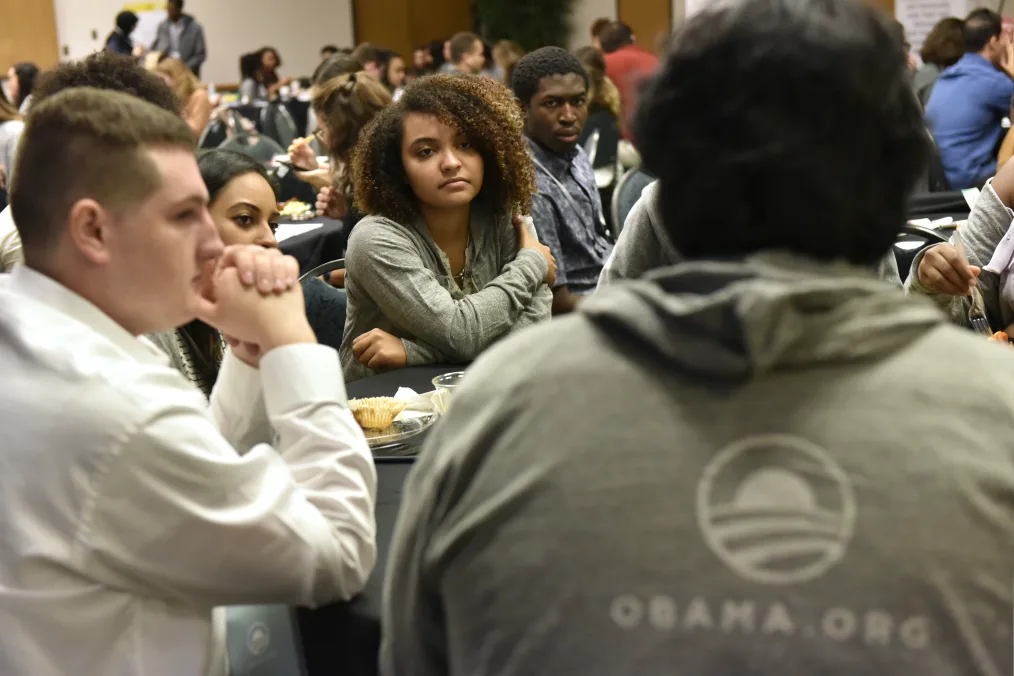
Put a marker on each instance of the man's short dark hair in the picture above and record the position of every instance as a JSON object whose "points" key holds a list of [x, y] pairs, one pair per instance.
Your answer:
{"points": [[126, 21], [599, 25], [366, 53], [105, 70], [616, 35], [541, 63], [86, 142], [461, 44], [747, 162], [333, 66], [981, 26], [178, 3]]}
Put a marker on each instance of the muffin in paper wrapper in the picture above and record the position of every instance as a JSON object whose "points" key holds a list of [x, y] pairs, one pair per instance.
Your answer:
{"points": [[376, 413]]}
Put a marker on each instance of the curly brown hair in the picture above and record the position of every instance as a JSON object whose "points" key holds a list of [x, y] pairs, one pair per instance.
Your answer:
{"points": [[482, 110]]}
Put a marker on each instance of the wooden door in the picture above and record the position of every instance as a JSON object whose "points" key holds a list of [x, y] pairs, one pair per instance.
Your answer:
{"points": [[27, 33], [650, 20], [402, 25]]}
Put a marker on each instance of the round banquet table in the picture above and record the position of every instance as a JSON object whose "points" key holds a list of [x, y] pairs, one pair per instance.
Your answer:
{"points": [[322, 245], [344, 638]]}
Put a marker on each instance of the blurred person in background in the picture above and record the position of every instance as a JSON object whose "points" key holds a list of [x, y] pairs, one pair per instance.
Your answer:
{"points": [[598, 25], [970, 99], [941, 49], [422, 62], [181, 37], [11, 126], [466, 53], [627, 65], [902, 37], [344, 106], [266, 77], [119, 41], [627, 490], [188, 89], [328, 50], [392, 69], [445, 264], [250, 87], [604, 108], [506, 54], [368, 54], [20, 83]]}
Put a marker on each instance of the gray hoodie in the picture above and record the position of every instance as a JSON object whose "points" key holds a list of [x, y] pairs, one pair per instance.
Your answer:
{"points": [[771, 467], [644, 245]]}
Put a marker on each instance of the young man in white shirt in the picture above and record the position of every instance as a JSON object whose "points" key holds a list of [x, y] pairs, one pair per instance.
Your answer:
{"points": [[130, 509]]}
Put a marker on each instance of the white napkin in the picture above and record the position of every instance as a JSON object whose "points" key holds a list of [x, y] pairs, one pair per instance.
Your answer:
{"points": [[287, 230], [419, 405]]}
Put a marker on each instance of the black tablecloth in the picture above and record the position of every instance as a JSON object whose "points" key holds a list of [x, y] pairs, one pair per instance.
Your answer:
{"points": [[313, 248], [344, 638]]}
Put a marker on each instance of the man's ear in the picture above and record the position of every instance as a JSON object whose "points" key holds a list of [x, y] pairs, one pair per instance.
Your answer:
{"points": [[88, 224]]}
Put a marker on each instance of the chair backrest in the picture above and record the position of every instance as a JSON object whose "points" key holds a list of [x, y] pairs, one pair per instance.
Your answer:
{"points": [[911, 240], [324, 268], [260, 148], [628, 191], [591, 146], [326, 310], [278, 124], [213, 135], [263, 641]]}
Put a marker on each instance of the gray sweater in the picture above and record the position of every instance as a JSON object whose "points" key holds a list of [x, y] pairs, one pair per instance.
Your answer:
{"points": [[644, 245], [400, 281], [772, 467]]}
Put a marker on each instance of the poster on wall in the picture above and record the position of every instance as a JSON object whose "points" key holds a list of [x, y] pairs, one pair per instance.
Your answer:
{"points": [[919, 17], [149, 16]]}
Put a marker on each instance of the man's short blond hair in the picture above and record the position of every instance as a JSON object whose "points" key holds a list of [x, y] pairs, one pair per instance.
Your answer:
{"points": [[86, 143]]}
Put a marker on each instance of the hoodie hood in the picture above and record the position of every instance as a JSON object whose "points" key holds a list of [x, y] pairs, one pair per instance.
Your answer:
{"points": [[730, 321]]}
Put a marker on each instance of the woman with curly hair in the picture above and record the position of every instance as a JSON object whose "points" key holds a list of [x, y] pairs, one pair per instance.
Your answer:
{"points": [[445, 263]]}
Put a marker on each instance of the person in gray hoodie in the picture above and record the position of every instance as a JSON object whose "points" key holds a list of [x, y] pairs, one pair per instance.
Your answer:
{"points": [[644, 245], [764, 460]]}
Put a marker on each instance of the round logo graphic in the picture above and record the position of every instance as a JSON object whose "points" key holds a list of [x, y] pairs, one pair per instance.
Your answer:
{"points": [[258, 638], [776, 509]]}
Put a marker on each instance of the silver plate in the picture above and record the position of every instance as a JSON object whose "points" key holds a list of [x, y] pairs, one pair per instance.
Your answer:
{"points": [[395, 435]]}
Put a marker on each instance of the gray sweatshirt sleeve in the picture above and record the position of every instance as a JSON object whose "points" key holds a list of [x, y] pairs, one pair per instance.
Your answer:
{"points": [[981, 235], [638, 248], [387, 263]]}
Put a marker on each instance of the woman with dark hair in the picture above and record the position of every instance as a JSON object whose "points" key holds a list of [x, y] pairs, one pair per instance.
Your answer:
{"points": [[244, 206], [20, 82], [260, 75], [941, 49], [119, 41], [445, 264], [392, 72], [506, 54]]}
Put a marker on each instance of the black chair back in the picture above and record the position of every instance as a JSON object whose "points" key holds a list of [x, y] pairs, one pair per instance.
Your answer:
{"points": [[213, 135], [628, 191], [277, 123], [260, 148]]}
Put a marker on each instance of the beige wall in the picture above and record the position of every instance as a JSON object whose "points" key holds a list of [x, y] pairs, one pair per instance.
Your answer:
{"points": [[296, 28], [585, 12]]}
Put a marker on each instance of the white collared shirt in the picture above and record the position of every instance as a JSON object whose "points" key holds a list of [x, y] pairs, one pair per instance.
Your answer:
{"points": [[129, 509], [10, 242]]}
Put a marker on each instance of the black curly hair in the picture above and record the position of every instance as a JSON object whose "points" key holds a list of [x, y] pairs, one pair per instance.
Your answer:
{"points": [[542, 63], [105, 70], [767, 166], [482, 109]]}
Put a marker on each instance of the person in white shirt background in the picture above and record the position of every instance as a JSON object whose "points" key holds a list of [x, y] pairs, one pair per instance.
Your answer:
{"points": [[129, 509]]}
